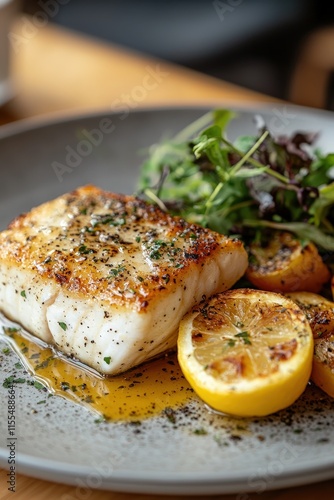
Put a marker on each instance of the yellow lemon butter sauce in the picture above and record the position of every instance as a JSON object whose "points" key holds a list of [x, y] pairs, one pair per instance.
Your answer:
{"points": [[141, 392]]}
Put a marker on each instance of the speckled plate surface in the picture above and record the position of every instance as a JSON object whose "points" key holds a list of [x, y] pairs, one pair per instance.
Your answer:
{"points": [[200, 452]]}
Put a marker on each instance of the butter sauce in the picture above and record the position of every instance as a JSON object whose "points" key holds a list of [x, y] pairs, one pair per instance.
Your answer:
{"points": [[140, 393]]}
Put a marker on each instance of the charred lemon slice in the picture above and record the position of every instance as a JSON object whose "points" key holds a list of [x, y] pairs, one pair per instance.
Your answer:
{"points": [[320, 314], [246, 352], [284, 265]]}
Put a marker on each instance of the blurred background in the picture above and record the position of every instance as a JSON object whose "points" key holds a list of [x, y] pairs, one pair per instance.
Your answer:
{"points": [[253, 43], [80, 54]]}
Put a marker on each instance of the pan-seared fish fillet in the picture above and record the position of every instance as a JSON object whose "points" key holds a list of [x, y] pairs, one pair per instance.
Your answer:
{"points": [[106, 278]]}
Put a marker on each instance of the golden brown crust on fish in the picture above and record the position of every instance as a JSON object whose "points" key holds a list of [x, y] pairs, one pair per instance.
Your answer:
{"points": [[107, 277], [75, 239]]}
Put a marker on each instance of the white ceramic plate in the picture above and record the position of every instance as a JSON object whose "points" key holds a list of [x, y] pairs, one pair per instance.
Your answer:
{"points": [[59, 440]]}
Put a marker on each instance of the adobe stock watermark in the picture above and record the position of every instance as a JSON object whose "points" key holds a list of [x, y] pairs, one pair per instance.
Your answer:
{"points": [[223, 9], [11, 437], [90, 140], [152, 79], [30, 25], [94, 480], [265, 477], [281, 119], [93, 138]]}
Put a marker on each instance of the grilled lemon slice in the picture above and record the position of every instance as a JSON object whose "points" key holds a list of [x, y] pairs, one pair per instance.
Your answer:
{"points": [[320, 314], [284, 265], [246, 352]]}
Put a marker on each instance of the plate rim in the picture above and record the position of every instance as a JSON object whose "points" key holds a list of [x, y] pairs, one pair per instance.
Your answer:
{"points": [[63, 117], [177, 482], [170, 483]]}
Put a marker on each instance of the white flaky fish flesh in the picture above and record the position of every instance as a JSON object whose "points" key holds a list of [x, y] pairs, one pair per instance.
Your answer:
{"points": [[106, 278]]}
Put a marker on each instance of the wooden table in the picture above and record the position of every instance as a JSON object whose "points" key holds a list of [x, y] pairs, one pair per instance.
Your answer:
{"points": [[58, 72]]}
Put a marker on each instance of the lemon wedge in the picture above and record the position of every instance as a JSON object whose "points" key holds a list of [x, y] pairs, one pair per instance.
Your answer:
{"points": [[284, 265], [320, 313], [246, 352]]}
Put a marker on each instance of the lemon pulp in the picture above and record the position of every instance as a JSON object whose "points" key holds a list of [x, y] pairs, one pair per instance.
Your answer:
{"points": [[246, 352]]}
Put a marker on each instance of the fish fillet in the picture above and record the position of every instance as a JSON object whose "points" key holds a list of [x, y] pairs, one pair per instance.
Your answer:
{"points": [[106, 278]]}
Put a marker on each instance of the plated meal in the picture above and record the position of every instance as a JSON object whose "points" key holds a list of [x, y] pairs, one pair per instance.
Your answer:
{"points": [[107, 279], [203, 297]]}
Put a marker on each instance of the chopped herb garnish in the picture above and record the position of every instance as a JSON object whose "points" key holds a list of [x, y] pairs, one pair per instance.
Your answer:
{"points": [[19, 381], [107, 360], [106, 220], [44, 363], [36, 355], [118, 222], [109, 219], [220, 441], [38, 385], [115, 271], [244, 336], [23, 294], [88, 399], [9, 381], [10, 329], [6, 350], [83, 250], [135, 423], [240, 427], [231, 343], [200, 432], [170, 414], [155, 255], [62, 325]]}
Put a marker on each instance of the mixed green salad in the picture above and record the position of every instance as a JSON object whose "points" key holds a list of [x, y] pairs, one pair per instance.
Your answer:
{"points": [[246, 188]]}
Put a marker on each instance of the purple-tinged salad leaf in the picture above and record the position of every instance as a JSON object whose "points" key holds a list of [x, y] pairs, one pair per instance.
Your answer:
{"points": [[246, 188]]}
